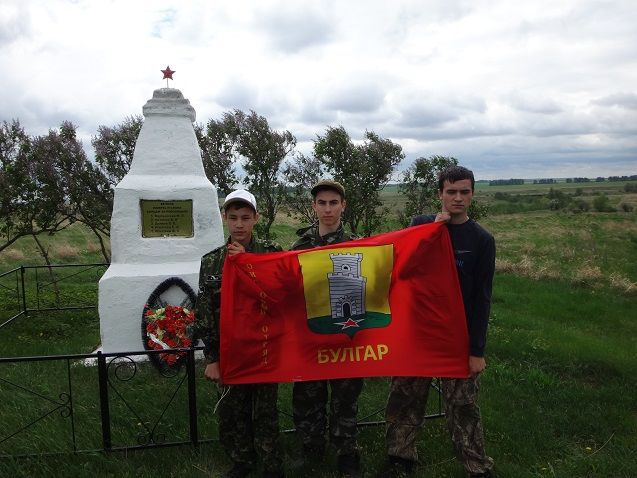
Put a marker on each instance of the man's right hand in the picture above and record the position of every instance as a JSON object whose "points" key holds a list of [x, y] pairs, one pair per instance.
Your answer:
{"points": [[212, 372], [443, 216], [235, 248]]}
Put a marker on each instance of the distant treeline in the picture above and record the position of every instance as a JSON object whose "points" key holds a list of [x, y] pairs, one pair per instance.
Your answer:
{"points": [[598, 179], [601, 179], [505, 182]]}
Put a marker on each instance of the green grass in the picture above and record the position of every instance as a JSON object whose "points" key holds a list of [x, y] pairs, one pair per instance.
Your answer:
{"points": [[76, 243], [558, 397], [590, 250]]}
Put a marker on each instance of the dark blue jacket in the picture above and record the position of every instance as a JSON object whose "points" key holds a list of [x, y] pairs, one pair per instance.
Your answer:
{"points": [[474, 249]]}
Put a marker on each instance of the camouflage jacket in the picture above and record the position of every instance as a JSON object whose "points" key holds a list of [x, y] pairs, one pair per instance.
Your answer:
{"points": [[208, 304], [310, 237]]}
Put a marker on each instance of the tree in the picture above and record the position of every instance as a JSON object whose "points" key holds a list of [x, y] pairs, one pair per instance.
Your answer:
{"points": [[420, 186], [263, 151], [35, 199], [363, 169], [114, 147], [217, 153], [601, 203], [300, 175], [558, 199], [88, 188], [33, 194], [15, 181], [49, 201]]}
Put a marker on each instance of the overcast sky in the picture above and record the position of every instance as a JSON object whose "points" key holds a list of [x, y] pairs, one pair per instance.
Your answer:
{"points": [[511, 88]]}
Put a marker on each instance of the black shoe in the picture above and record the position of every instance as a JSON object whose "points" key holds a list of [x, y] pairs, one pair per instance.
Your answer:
{"points": [[349, 465], [239, 470], [273, 474], [396, 467]]}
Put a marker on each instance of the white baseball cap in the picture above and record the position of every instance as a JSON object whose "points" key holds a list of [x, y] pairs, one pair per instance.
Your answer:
{"points": [[241, 195]]}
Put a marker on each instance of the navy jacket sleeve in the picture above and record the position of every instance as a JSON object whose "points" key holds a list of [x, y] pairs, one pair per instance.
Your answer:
{"points": [[478, 318]]}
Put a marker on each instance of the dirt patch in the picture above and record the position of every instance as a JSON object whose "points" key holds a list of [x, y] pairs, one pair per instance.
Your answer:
{"points": [[64, 251], [285, 220], [622, 283], [93, 247], [13, 255], [527, 267], [588, 275]]}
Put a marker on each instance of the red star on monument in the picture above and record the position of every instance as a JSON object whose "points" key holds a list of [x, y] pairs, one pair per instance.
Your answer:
{"points": [[168, 73]]}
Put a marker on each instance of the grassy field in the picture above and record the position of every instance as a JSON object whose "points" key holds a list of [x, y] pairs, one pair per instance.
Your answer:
{"points": [[558, 396]]}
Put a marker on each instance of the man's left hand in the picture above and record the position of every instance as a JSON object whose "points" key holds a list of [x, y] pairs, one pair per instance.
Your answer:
{"points": [[476, 365]]}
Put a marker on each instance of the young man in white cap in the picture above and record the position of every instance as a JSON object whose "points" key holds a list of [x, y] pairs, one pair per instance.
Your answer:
{"points": [[248, 415]]}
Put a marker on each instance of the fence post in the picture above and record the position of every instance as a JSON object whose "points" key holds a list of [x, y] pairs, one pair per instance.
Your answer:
{"points": [[192, 397], [24, 294], [104, 409]]}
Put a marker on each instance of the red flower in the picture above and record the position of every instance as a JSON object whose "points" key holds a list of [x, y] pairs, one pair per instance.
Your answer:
{"points": [[171, 323]]}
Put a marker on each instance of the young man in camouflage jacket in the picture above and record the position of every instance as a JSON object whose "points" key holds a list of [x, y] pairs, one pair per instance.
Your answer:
{"points": [[248, 415], [309, 399]]}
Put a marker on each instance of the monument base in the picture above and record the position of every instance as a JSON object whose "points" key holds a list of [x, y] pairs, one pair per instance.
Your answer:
{"points": [[132, 285]]}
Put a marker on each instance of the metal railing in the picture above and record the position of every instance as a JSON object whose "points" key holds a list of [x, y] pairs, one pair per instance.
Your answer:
{"points": [[28, 405], [30, 289], [53, 404], [120, 403]]}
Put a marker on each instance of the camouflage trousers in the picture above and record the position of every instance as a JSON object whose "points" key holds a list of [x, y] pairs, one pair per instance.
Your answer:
{"points": [[249, 425], [309, 401], [405, 414]]}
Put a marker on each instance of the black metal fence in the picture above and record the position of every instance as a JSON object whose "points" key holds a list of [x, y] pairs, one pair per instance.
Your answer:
{"points": [[108, 401], [112, 402], [96, 402], [28, 289]]}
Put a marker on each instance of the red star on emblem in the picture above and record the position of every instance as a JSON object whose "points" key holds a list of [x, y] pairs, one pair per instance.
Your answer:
{"points": [[349, 323], [168, 73]]}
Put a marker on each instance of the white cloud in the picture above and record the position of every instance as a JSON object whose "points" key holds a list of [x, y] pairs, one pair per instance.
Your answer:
{"points": [[506, 87], [621, 100], [292, 27]]}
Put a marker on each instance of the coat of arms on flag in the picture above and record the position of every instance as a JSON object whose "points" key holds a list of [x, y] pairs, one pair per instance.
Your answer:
{"points": [[346, 289]]}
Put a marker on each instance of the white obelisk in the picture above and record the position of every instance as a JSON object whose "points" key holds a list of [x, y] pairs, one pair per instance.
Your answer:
{"points": [[165, 217]]}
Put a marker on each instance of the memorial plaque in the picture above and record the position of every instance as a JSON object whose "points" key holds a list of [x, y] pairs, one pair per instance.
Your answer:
{"points": [[166, 218]]}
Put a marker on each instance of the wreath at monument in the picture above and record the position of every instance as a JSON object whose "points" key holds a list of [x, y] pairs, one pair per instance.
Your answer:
{"points": [[167, 326]]}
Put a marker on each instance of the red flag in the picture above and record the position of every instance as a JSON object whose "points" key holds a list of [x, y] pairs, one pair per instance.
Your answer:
{"points": [[380, 306]]}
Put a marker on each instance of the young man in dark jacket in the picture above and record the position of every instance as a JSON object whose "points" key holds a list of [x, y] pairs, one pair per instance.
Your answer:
{"points": [[474, 250]]}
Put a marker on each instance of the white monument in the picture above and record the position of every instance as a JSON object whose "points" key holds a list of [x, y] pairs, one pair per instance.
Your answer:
{"points": [[165, 217]]}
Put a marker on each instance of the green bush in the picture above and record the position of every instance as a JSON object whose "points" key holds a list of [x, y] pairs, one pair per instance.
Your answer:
{"points": [[601, 203], [580, 206], [558, 199]]}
